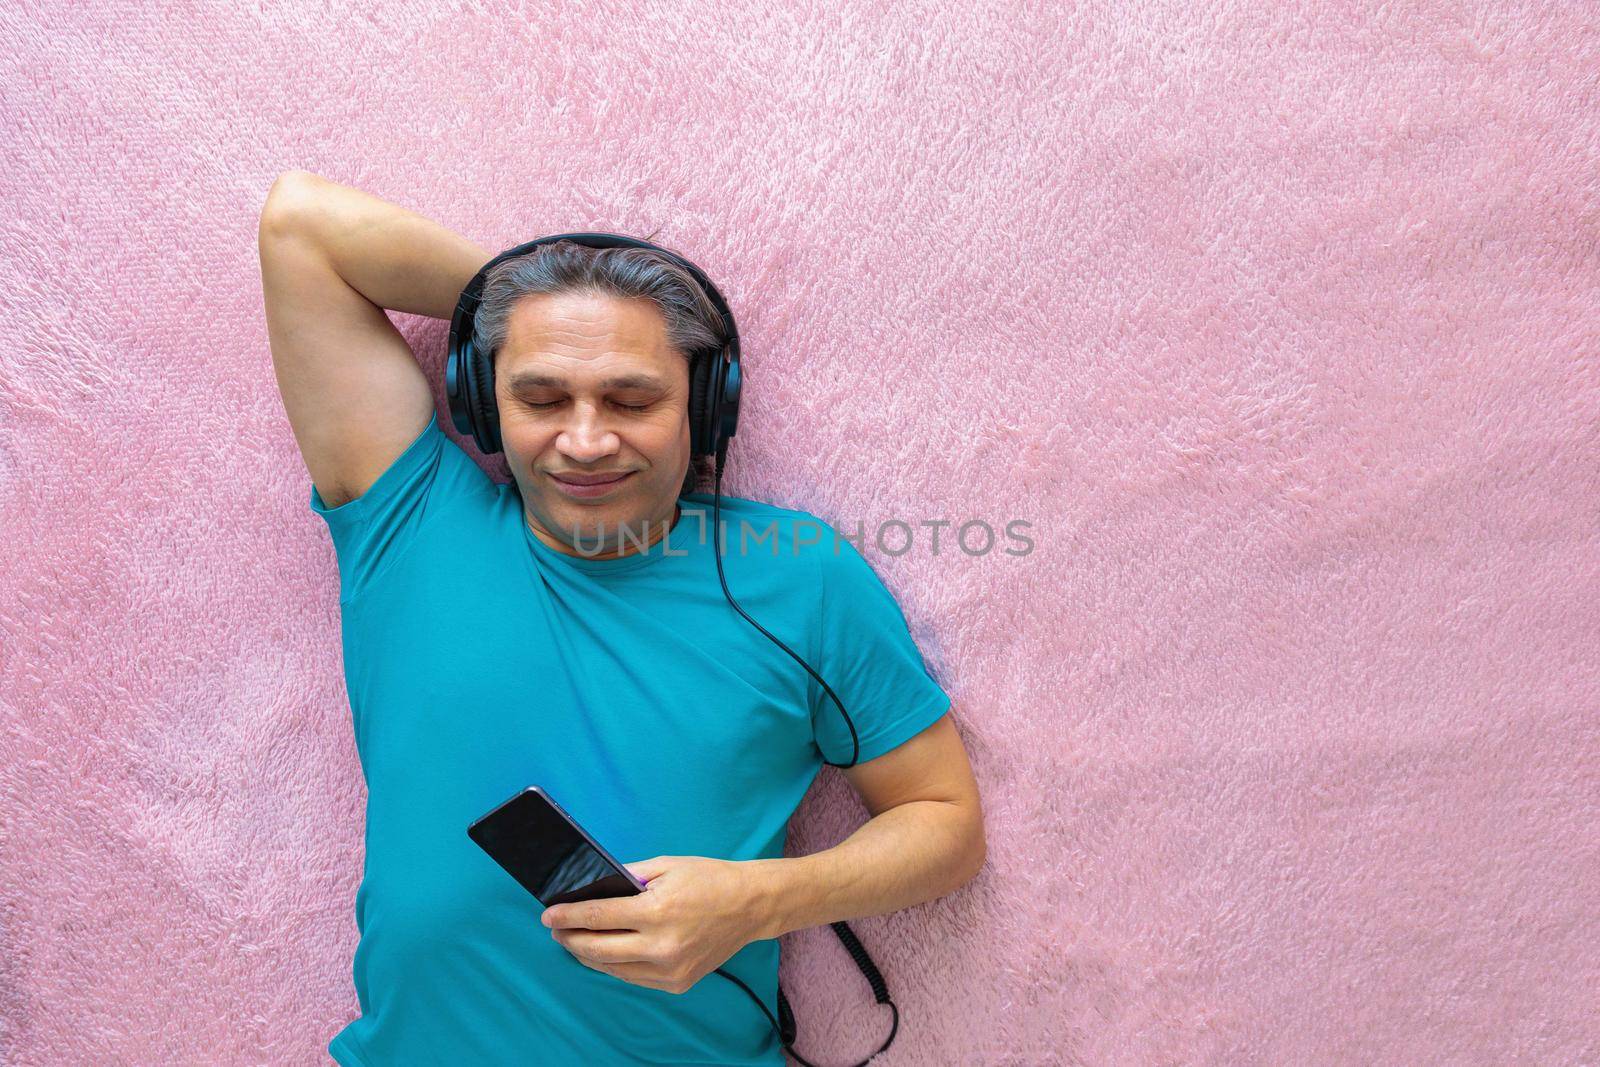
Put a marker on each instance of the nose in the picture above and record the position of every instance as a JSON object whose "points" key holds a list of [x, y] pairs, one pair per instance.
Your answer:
{"points": [[585, 438]]}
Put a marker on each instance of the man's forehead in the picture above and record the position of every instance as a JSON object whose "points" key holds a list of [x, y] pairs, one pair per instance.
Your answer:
{"points": [[558, 339], [534, 379], [584, 320]]}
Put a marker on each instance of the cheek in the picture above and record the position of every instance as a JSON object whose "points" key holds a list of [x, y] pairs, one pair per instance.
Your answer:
{"points": [[521, 446], [514, 443], [528, 436], [670, 434]]}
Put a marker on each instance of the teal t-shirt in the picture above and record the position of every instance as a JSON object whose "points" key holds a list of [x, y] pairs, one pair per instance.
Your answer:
{"points": [[480, 661]]}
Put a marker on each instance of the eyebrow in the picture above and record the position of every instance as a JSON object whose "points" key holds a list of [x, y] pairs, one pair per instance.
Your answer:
{"points": [[534, 380]]}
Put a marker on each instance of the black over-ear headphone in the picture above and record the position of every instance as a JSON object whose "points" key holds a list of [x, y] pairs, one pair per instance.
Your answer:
{"points": [[714, 374], [715, 382]]}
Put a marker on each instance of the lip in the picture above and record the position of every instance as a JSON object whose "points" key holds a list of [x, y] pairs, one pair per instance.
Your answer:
{"points": [[593, 489]]}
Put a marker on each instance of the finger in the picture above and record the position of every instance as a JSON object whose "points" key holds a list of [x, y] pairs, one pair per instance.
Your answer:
{"points": [[635, 973], [645, 870], [609, 913], [609, 947], [641, 974]]}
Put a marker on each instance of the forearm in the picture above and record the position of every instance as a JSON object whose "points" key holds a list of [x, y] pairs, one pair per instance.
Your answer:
{"points": [[903, 856], [396, 258]]}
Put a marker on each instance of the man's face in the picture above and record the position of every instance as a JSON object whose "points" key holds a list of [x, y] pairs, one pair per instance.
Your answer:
{"points": [[563, 412]]}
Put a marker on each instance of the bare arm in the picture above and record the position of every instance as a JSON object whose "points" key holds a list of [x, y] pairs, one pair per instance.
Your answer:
{"points": [[925, 839], [907, 855], [332, 259], [397, 259]]}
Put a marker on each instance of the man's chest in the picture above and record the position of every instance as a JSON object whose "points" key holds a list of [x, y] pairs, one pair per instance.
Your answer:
{"points": [[493, 685]]}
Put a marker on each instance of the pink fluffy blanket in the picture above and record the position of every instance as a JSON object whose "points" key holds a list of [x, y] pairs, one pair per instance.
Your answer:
{"points": [[1278, 326]]}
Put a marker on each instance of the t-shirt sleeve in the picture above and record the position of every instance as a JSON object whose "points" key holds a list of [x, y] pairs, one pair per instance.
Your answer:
{"points": [[868, 657], [375, 528]]}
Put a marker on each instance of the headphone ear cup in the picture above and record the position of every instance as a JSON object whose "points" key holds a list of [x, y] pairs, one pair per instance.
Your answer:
{"points": [[485, 413], [699, 404], [716, 409]]}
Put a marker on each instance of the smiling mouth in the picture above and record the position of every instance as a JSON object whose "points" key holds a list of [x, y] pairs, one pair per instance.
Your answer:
{"points": [[593, 481], [590, 490]]}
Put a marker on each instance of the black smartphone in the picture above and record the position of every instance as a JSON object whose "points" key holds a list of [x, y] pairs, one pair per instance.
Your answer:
{"points": [[545, 849]]}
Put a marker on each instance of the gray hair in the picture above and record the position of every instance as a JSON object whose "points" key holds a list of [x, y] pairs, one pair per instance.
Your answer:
{"points": [[694, 324]]}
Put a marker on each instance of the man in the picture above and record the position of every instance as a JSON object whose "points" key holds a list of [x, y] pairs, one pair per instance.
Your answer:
{"points": [[497, 636]]}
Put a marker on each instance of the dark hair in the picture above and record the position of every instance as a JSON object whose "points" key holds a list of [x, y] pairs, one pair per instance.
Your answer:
{"points": [[694, 324]]}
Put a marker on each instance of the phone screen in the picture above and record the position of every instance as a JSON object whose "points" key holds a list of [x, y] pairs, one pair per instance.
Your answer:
{"points": [[544, 849]]}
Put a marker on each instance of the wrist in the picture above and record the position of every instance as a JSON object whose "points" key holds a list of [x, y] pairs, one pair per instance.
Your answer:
{"points": [[776, 892]]}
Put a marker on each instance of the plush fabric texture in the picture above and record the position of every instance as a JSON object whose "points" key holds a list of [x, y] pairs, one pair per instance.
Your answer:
{"points": [[1277, 322]]}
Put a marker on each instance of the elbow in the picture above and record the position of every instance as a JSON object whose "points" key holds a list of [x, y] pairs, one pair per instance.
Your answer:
{"points": [[966, 867], [979, 838], [982, 858], [286, 201], [976, 853]]}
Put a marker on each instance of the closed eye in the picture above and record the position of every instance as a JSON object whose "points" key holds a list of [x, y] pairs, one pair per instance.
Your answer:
{"points": [[551, 404]]}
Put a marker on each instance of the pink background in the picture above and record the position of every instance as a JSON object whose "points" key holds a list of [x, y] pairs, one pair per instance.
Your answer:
{"points": [[1278, 321]]}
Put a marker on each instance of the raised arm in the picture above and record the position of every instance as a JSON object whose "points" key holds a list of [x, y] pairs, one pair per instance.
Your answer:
{"points": [[333, 259]]}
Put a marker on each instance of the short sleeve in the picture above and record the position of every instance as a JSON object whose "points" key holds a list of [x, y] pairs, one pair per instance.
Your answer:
{"points": [[372, 530], [868, 657]]}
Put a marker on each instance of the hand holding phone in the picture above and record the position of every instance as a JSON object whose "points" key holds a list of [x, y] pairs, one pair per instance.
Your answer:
{"points": [[548, 853]]}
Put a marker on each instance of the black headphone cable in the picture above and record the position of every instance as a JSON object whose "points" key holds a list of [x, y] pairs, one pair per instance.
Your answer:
{"points": [[787, 1030]]}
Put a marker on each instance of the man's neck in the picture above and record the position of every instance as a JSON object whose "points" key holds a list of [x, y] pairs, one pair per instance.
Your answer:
{"points": [[651, 532]]}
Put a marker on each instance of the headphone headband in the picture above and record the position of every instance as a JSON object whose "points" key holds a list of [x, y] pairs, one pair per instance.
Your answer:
{"points": [[715, 376]]}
